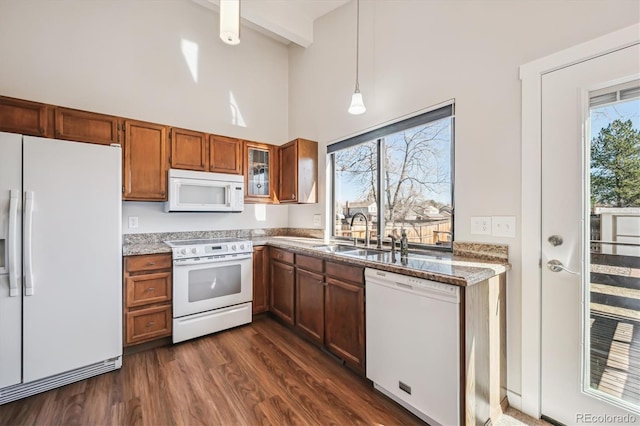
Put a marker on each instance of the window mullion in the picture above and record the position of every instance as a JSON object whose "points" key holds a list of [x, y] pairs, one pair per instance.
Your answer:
{"points": [[381, 194]]}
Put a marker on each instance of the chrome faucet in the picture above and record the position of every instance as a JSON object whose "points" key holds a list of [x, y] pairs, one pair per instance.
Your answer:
{"points": [[366, 227]]}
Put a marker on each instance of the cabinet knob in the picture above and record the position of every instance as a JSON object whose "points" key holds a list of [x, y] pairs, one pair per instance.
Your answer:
{"points": [[41, 130], [293, 196]]}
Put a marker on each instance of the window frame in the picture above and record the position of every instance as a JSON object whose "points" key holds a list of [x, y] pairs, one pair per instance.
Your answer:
{"points": [[378, 135]]}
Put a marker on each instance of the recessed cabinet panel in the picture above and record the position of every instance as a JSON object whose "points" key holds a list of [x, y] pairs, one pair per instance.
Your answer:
{"points": [[225, 155], [24, 117], [298, 172], [83, 126], [188, 150], [145, 161], [261, 287], [282, 291]]}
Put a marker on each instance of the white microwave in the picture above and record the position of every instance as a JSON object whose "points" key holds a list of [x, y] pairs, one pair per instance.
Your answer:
{"points": [[191, 191]]}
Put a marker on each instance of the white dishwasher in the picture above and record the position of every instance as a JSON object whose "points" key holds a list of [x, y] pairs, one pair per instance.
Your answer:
{"points": [[413, 344]]}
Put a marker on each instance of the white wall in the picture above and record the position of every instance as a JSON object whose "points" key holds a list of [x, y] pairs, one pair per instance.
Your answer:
{"points": [[414, 54], [125, 57]]}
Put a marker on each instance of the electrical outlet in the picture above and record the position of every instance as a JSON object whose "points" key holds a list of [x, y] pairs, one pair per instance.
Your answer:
{"points": [[503, 226], [133, 222], [481, 225], [317, 220]]}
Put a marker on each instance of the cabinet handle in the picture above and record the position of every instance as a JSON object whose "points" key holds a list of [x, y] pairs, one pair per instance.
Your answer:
{"points": [[150, 289], [150, 323], [293, 196], [151, 263], [325, 284], [279, 255]]}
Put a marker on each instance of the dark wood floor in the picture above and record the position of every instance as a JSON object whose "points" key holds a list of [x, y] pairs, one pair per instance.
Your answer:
{"points": [[258, 374]]}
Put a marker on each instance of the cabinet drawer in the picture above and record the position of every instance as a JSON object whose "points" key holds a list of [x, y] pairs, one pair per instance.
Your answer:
{"points": [[281, 255], [148, 324], [309, 263], [148, 288], [354, 274], [147, 262]]}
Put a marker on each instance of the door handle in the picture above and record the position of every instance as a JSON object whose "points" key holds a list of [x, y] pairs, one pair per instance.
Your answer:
{"points": [[28, 236], [13, 243], [557, 266]]}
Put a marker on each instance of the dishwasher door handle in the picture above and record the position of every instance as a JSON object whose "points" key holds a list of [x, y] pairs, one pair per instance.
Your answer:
{"points": [[404, 286]]}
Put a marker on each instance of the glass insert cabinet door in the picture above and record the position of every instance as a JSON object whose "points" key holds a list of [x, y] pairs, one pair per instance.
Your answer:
{"points": [[259, 168]]}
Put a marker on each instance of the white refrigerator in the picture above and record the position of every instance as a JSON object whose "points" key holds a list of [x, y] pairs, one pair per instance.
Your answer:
{"points": [[60, 263]]}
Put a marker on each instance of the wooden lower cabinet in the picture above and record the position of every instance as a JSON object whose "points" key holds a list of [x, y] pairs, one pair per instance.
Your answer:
{"points": [[147, 298], [148, 324], [324, 300], [345, 320], [282, 291], [261, 287], [310, 304]]}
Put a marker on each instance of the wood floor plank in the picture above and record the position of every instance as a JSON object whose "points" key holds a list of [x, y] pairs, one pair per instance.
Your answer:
{"points": [[258, 374]]}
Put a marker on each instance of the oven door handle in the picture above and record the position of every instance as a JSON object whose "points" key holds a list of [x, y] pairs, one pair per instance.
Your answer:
{"points": [[202, 261]]}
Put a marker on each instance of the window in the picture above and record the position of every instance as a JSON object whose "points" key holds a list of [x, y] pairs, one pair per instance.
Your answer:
{"points": [[398, 176]]}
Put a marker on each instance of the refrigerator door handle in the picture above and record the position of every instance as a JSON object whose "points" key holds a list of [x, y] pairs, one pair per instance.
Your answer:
{"points": [[13, 242], [28, 236]]}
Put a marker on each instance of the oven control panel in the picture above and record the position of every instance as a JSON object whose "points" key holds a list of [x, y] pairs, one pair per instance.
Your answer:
{"points": [[200, 248]]}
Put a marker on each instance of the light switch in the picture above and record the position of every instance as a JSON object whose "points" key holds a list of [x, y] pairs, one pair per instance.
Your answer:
{"points": [[317, 220], [503, 226]]}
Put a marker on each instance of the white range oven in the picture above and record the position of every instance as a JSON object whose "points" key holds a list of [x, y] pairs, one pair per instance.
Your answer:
{"points": [[212, 286]]}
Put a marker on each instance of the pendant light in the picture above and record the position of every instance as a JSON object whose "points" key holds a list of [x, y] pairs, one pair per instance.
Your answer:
{"points": [[230, 21], [357, 104]]}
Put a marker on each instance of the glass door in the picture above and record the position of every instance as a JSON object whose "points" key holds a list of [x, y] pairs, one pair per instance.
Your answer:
{"points": [[612, 351], [590, 230], [259, 168]]}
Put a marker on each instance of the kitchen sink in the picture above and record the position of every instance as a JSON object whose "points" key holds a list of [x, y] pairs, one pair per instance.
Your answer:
{"points": [[336, 248], [351, 250]]}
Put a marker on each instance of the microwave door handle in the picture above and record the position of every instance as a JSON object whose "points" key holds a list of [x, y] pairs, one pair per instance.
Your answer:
{"points": [[228, 197]]}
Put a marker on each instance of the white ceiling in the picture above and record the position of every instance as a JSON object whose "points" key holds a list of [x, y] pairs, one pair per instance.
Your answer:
{"points": [[288, 21]]}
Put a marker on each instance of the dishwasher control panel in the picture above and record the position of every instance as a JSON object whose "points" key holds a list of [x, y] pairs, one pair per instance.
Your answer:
{"points": [[418, 285]]}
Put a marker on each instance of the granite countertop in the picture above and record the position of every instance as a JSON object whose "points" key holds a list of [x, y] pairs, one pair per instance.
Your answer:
{"points": [[469, 264]]}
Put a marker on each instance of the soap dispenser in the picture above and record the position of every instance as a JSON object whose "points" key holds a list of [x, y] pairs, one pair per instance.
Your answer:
{"points": [[404, 244]]}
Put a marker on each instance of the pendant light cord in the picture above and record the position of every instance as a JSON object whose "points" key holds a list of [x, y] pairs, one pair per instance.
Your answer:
{"points": [[357, 43]]}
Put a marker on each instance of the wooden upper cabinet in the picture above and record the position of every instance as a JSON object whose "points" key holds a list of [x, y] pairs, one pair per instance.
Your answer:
{"points": [[83, 126], [188, 150], [24, 117], [225, 155], [146, 161], [260, 168], [298, 175]]}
